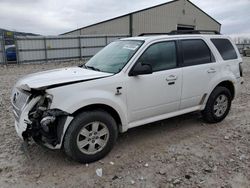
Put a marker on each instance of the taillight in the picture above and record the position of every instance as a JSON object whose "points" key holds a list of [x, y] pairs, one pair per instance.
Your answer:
{"points": [[241, 69]]}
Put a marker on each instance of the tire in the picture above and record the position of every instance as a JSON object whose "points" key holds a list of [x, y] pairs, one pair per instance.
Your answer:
{"points": [[80, 142], [216, 110]]}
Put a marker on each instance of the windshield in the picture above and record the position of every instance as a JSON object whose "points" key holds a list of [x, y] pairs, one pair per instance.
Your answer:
{"points": [[114, 57]]}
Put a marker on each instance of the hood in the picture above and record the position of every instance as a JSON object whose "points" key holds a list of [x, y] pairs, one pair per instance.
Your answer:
{"points": [[58, 77]]}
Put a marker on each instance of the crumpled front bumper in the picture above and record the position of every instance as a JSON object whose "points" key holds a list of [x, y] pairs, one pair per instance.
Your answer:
{"points": [[22, 121]]}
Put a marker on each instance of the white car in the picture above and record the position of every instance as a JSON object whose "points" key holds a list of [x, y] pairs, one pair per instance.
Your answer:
{"points": [[131, 82]]}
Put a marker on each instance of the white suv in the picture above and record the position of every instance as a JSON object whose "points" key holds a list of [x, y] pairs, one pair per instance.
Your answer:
{"points": [[131, 82]]}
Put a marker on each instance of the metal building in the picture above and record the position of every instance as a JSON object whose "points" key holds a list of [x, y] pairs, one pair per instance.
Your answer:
{"points": [[173, 15]]}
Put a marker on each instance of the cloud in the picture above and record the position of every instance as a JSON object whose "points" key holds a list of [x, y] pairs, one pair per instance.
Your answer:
{"points": [[233, 15], [52, 17]]}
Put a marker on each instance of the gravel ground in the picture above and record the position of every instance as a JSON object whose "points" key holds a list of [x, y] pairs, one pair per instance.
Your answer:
{"points": [[178, 152]]}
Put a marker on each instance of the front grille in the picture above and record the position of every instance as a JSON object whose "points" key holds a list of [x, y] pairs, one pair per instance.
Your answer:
{"points": [[19, 99]]}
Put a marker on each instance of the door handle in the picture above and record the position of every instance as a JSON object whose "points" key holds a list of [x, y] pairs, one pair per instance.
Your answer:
{"points": [[211, 70], [171, 78]]}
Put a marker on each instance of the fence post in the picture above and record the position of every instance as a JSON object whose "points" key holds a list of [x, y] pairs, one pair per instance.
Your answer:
{"points": [[80, 47], [2, 43], [45, 50], [83, 54], [106, 40], [17, 50]]}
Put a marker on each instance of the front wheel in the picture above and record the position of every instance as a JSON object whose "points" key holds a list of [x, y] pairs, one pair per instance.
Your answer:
{"points": [[90, 136], [218, 105]]}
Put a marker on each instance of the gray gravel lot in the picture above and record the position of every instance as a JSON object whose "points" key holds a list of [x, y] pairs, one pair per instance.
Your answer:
{"points": [[178, 152]]}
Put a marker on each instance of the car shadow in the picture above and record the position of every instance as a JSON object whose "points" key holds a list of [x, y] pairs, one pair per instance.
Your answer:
{"points": [[166, 125], [138, 135]]}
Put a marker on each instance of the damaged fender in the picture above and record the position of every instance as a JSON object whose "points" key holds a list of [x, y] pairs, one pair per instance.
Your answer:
{"points": [[44, 125]]}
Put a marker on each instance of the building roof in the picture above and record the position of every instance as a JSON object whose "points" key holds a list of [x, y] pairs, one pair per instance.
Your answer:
{"points": [[141, 11]]}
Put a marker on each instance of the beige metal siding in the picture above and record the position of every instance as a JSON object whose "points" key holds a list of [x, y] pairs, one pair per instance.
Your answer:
{"points": [[159, 19], [199, 18], [165, 18], [112, 27]]}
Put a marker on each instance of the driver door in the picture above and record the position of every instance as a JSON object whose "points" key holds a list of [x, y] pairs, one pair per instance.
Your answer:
{"points": [[158, 93]]}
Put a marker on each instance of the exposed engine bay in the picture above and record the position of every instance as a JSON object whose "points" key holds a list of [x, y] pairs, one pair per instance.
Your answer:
{"points": [[45, 125]]}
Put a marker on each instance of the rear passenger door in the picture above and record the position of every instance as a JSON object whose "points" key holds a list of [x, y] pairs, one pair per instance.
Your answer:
{"points": [[198, 69]]}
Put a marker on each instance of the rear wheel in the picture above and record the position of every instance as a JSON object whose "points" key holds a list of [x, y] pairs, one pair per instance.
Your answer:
{"points": [[90, 136], [218, 105]]}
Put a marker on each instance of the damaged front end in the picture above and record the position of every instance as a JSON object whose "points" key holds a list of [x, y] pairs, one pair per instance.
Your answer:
{"points": [[35, 119]]}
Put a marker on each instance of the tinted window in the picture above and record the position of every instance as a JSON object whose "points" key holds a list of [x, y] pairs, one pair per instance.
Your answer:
{"points": [[161, 56], [225, 48], [195, 52]]}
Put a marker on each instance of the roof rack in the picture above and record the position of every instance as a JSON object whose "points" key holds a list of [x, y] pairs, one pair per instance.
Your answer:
{"points": [[183, 32]]}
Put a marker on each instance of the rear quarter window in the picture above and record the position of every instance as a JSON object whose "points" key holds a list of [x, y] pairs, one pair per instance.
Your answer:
{"points": [[225, 48]]}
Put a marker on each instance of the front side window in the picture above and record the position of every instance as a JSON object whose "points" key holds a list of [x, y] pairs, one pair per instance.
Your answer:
{"points": [[195, 52], [114, 57], [225, 48], [161, 56]]}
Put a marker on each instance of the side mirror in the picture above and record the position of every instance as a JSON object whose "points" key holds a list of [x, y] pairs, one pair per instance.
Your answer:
{"points": [[141, 69]]}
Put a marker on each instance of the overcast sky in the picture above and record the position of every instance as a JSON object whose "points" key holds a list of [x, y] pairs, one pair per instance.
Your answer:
{"points": [[52, 17]]}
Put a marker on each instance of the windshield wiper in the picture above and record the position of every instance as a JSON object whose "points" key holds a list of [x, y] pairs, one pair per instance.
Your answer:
{"points": [[91, 67]]}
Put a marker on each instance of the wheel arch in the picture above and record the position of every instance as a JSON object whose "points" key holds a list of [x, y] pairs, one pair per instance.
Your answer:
{"points": [[229, 85], [97, 106], [104, 107]]}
